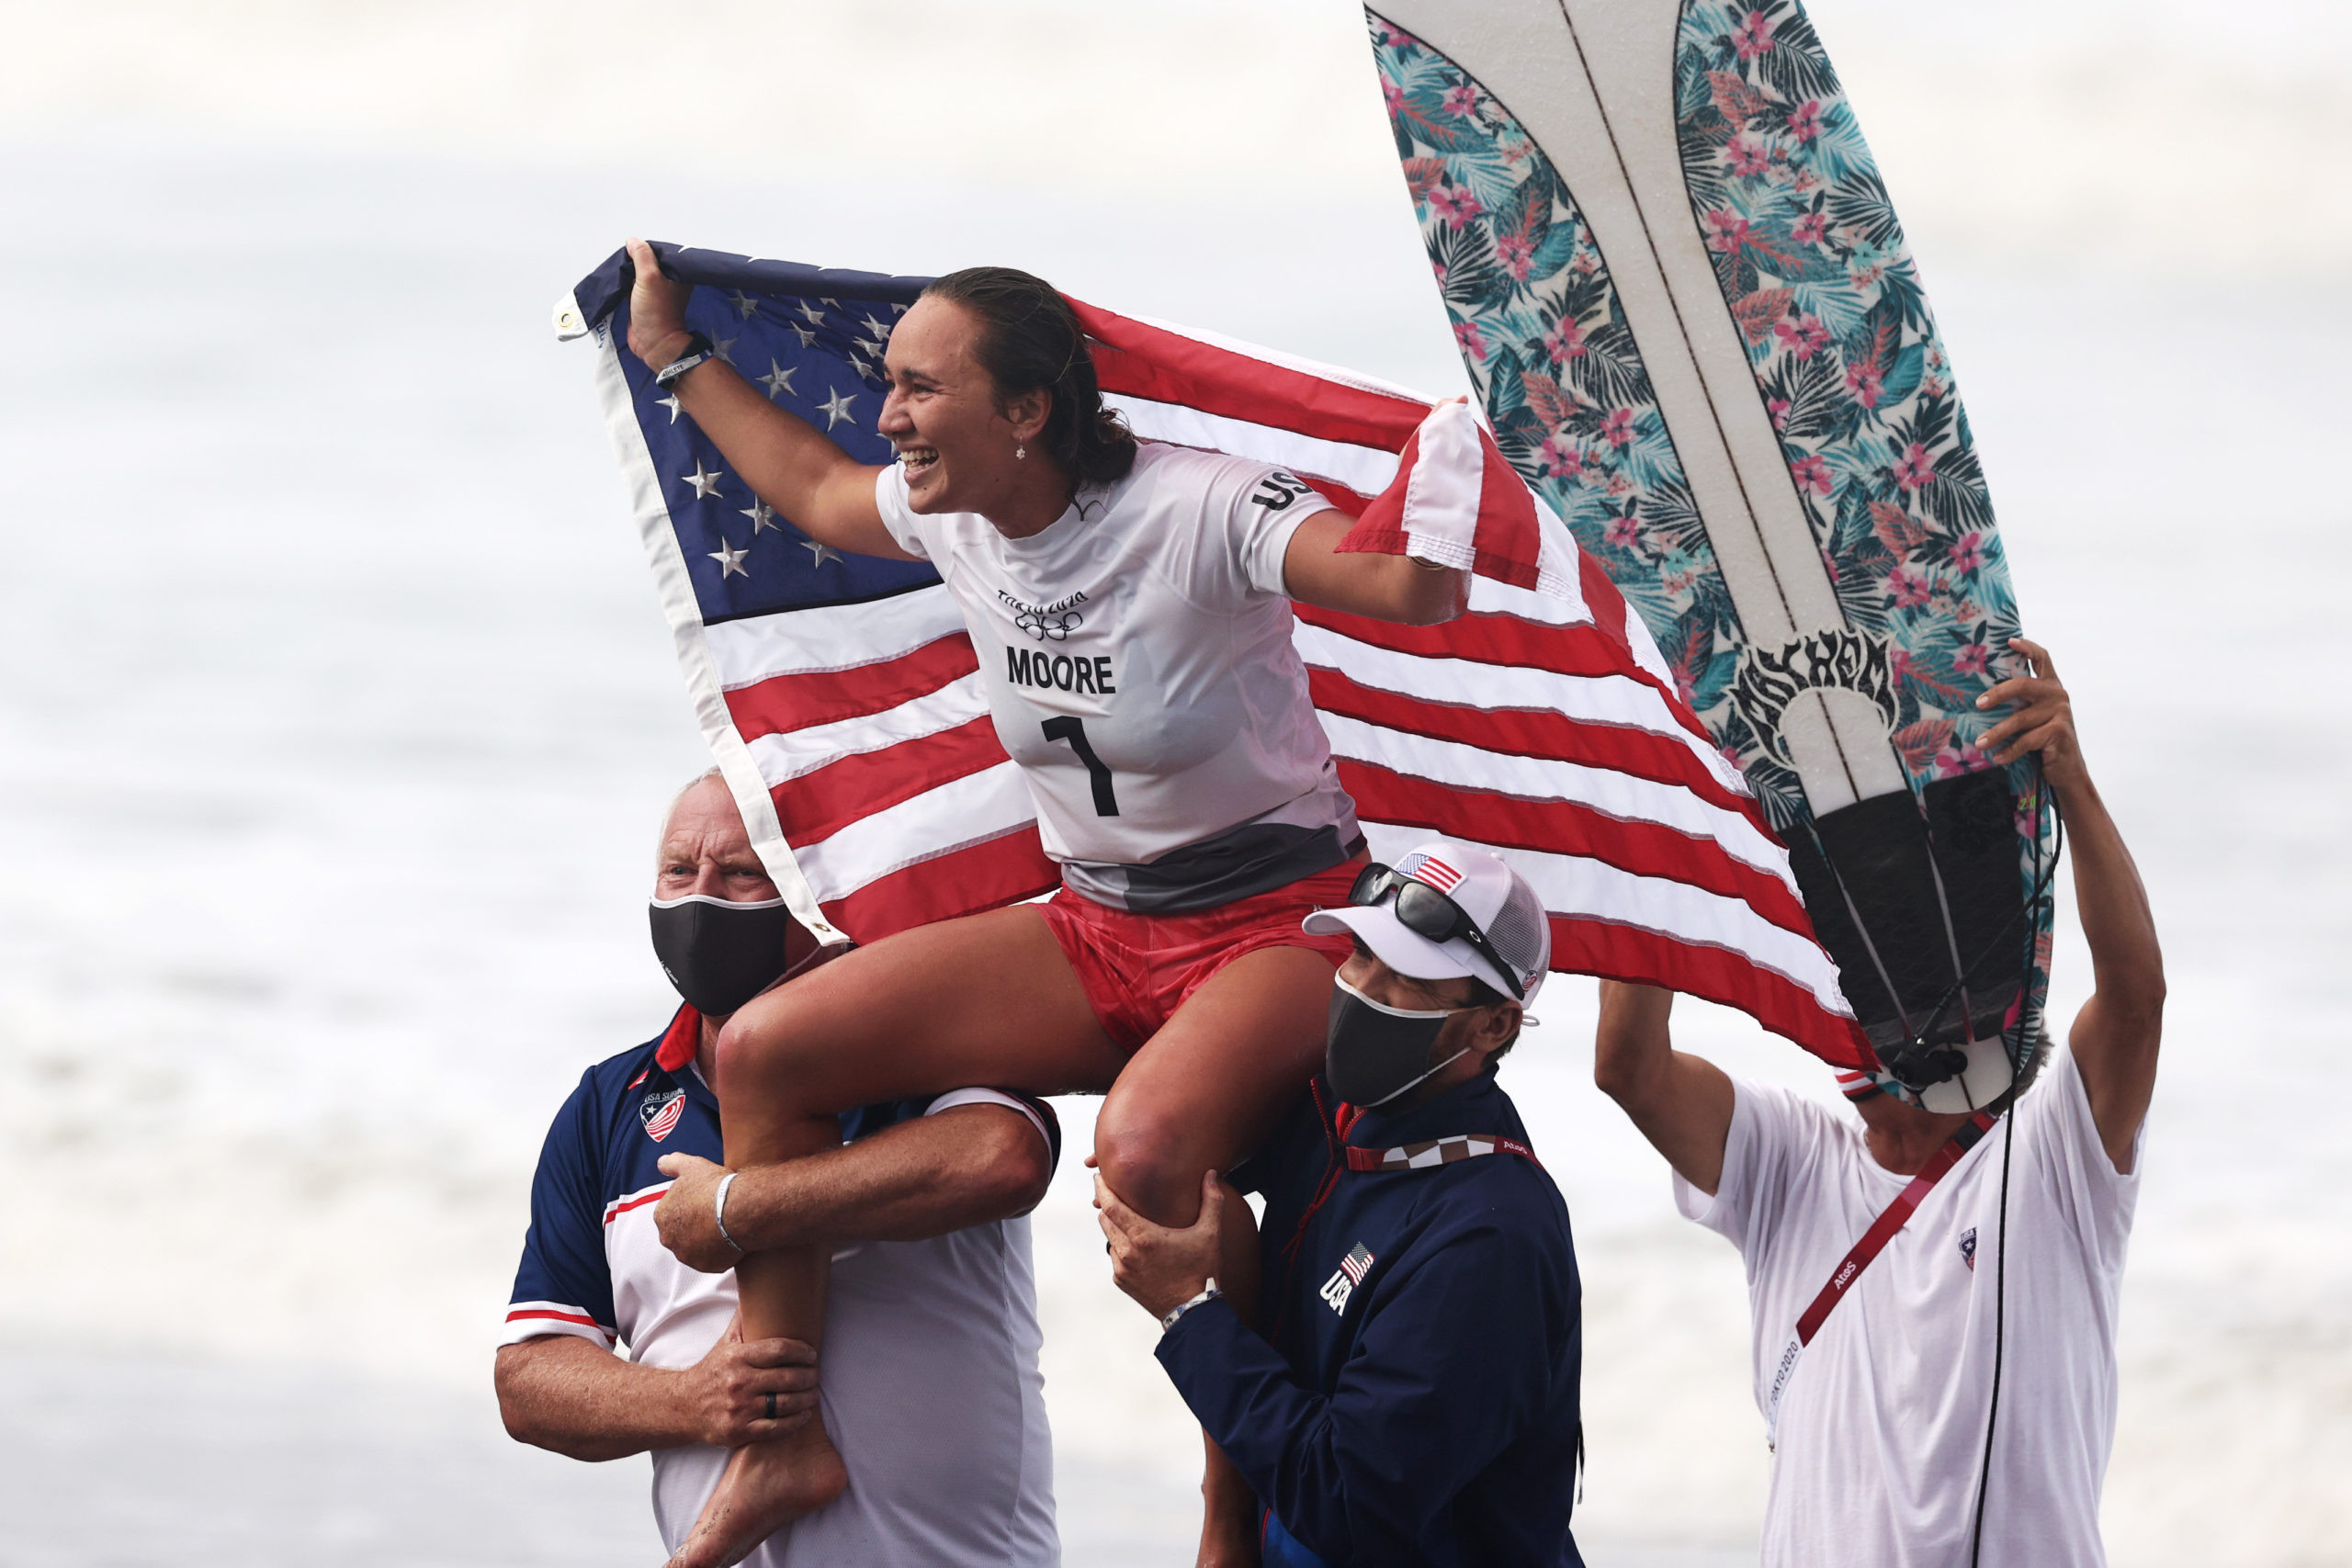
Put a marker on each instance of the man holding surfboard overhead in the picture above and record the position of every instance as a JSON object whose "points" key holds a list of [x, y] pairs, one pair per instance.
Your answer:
{"points": [[1681, 290], [1935, 1352]]}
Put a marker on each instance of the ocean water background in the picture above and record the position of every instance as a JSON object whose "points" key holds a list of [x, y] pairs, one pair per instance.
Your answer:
{"points": [[336, 713]]}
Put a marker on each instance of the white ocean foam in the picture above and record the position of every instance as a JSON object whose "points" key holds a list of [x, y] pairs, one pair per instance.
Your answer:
{"points": [[2166, 139], [334, 713]]}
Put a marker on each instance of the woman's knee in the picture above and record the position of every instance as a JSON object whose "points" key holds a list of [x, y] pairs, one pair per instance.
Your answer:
{"points": [[771, 1048], [1151, 1159]]}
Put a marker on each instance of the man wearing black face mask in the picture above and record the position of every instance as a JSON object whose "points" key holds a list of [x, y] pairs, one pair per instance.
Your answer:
{"points": [[1408, 1394], [931, 1386]]}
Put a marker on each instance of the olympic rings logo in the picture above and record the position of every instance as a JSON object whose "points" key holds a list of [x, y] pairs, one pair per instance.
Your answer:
{"points": [[1044, 625]]}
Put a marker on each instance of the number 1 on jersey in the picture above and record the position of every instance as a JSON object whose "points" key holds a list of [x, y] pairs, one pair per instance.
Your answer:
{"points": [[1107, 802]]}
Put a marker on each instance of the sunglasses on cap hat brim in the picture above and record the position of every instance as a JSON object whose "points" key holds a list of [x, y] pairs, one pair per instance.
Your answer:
{"points": [[1424, 912]]}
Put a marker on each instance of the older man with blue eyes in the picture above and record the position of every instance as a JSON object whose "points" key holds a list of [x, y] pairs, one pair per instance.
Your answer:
{"points": [[929, 1383]]}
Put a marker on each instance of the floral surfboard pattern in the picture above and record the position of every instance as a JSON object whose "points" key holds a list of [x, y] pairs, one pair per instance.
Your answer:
{"points": [[1546, 342], [1828, 300], [1829, 304]]}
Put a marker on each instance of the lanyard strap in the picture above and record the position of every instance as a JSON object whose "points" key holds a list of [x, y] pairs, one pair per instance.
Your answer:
{"points": [[1849, 1268], [1439, 1151]]}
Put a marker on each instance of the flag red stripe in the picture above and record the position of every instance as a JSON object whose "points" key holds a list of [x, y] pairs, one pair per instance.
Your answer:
{"points": [[1529, 732], [964, 882], [1150, 362], [1565, 828], [1487, 637], [1495, 638], [782, 704], [1647, 958], [819, 804]]}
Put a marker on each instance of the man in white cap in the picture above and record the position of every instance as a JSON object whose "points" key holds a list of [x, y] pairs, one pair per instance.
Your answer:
{"points": [[1935, 1352], [1408, 1394]]}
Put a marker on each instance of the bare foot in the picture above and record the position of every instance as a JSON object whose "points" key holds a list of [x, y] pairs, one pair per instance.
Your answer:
{"points": [[765, 1488]]}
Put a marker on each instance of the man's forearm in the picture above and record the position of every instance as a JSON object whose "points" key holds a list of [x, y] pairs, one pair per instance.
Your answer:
{"points": [[922, 1178], [1682, 1104], [2127, 963], [574, 1398]]}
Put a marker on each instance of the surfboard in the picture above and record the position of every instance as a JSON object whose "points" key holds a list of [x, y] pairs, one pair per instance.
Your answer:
{"points": [[1688, 306]]}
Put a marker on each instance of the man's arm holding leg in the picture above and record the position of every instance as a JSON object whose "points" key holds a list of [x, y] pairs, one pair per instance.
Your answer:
{"points": [[2116, 1035], [1682, 1103], [570, 1394], [924, 1178]]}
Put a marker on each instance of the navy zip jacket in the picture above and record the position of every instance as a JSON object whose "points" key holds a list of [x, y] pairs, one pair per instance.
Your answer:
{"points": [[1418, 1402]]}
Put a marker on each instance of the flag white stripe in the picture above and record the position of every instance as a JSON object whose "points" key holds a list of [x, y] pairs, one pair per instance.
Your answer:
{"points": [[837, 636], [1367, 470], [1617, 795], [784, 756], [971, 810], [1592, 699], [1441, 494], [1557, 607], [1577, 887]]}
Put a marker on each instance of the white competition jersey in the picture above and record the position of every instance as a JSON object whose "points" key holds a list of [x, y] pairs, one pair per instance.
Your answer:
{"points": [[1139, 667], [1882, 1424]]}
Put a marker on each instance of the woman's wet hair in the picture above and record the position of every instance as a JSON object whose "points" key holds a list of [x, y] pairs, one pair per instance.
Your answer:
{"points": [[1030, 341]]}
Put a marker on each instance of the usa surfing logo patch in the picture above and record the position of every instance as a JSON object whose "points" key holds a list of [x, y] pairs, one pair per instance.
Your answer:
{"points": [[660, 1112]]}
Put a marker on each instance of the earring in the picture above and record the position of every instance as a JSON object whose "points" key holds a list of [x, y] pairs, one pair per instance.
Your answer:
{"points": [[1020, 452]]}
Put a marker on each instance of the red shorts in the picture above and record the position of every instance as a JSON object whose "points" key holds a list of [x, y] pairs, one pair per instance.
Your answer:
{"points": [[1138, 969]]}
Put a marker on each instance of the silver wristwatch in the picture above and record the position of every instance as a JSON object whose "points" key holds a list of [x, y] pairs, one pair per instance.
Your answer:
{"points": [[1210, 1294]]}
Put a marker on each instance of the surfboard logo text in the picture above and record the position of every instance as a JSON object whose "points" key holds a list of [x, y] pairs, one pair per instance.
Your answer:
{"points": [[1837, 659]]}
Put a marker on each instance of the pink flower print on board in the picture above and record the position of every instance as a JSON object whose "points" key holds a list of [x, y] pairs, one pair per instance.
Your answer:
{"points": [[1865, 385], [1915, 468], [1456, 203], [1973, 657], [1813, 229], [1617, 429], [1804, 337], [1811, 474], [1617, 486], [1461, 101], [1516, 255], [1468, 338], [1727, 231], [1753, 35], [1898, 664], [1625, 533], [1565, 341], [1968, 552], [1910, 587], [1804, 120], [1560, 458], [1779, 409], [1963, 758], [1749, 155]]}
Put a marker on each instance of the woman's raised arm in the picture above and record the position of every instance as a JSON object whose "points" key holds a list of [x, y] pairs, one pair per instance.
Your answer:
{"points": [[1386, 588], [821, 489]]}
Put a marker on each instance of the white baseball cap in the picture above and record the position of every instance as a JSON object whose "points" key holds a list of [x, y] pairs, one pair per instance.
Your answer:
{"points": [[1496, 899]]}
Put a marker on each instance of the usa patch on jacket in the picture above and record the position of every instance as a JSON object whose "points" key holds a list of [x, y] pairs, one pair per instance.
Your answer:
{"points": [[1346, 1277]]}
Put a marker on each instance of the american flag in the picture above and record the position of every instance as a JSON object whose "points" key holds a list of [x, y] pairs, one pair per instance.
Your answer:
{"points": [[842, 700]]}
